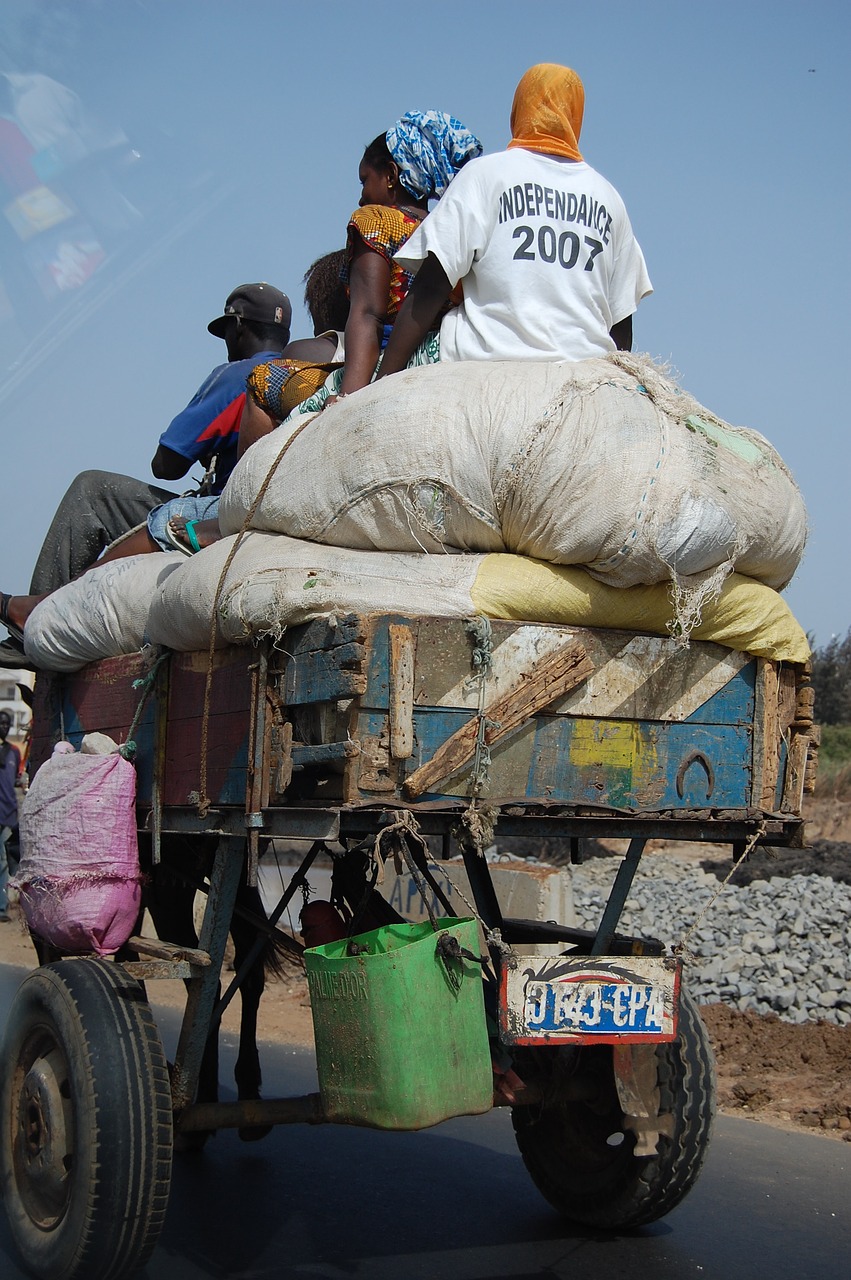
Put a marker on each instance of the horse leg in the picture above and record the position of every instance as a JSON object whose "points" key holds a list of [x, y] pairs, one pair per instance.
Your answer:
{"points": [[247, 1072], [45, 951], [170, 903]]}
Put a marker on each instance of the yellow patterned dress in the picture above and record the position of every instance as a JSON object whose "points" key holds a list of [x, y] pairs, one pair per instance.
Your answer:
{"points": [[384, 229]]}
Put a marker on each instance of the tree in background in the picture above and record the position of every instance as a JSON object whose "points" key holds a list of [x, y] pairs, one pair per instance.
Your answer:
{"points": [[831, 679]]}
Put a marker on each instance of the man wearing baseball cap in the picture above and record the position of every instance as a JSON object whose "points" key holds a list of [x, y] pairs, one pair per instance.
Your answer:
{"points": [[256, 320], [100, 506], [260, 302]]}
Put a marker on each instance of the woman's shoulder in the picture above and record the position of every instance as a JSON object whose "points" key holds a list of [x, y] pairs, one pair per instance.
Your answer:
{"points": [[384, 228], [389, 216]]}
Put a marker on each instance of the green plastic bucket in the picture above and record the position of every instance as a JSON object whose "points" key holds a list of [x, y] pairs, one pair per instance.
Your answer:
{"points": [[401, 1039]]}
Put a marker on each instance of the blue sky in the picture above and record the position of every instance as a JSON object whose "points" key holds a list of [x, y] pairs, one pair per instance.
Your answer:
{"points": [[725, 127]]}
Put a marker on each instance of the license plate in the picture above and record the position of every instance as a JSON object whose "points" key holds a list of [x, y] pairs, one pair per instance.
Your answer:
{"points": [[576, 1000]]}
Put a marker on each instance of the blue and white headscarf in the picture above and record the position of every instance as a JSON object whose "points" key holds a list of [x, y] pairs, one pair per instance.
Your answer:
{"points": [[430, 147]]}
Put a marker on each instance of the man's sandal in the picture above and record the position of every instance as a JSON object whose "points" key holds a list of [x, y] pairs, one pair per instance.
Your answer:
{"points": [[173, 532], [12, 627]]}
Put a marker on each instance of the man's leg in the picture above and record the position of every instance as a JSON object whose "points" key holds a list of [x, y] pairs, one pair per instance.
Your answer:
{"points": [[98, 508], [5, 832]]}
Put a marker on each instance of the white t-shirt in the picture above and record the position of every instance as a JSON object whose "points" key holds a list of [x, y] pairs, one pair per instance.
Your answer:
{"points": [[546, 253]]}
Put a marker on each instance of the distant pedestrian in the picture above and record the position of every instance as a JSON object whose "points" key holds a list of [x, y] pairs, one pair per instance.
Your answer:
{"points": [[10, 768]]}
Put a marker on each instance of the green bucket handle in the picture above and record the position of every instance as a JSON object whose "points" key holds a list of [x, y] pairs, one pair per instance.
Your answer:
{"points": [[449, 950]]}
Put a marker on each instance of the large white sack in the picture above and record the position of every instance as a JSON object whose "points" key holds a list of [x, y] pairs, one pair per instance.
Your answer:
{"points": [[100, 615], [604, 463], [276, 582]]}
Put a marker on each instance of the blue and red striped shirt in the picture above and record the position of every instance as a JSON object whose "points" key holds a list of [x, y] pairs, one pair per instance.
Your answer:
{"points": [[209, 425]]}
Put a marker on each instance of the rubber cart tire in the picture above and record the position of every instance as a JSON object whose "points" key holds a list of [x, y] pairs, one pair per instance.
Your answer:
{"points": [[580, 1155], [85, 1123]]}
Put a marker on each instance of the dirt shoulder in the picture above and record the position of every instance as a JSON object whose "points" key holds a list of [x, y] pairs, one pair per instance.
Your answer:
{"points": [[795, 1077]]}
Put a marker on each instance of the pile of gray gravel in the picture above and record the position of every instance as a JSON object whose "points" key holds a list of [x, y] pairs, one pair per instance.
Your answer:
{"points": [[780, 945]]}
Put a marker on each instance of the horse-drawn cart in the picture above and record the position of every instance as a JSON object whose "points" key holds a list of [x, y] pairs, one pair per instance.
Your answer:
{"points": [[368, 736]]}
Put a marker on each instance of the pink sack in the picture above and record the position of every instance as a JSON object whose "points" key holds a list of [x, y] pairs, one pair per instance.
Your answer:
{"points": [[79, 877]]}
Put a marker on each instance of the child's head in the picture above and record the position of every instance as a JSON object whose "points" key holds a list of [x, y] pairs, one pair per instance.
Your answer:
{"points": [[325, 295]]}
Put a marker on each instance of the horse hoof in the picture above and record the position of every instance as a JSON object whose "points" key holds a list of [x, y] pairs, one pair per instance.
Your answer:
{"points": [[254, 1133]]}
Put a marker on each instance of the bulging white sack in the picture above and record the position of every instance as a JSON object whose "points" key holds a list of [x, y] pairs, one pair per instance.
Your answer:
{"points": [[275, 582], [100, 615], [604, 463]]}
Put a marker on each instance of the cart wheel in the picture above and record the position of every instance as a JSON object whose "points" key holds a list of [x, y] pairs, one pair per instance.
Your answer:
{"points": [[580, 1156], [85, 1123]]}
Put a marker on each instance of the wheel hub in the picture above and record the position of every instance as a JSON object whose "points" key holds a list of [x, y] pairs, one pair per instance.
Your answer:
{"points": [[43, 1149]]}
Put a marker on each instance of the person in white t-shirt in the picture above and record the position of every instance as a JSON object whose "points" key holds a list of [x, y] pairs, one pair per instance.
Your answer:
{"points": [[541, 242]]}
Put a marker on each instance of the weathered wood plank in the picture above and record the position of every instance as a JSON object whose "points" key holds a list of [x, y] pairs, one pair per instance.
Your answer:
{"points": [[281, 762], [796, 767], [796, 715], [787, 700], [376, 771], [227, 759], [325, 633], [767, 740], [549, 679], [146, 970], [621, 764], [557, 758], [401, 692], [168, 951], [325, 676], [99, 698], [443, 663], [714, 720], [636, 676], [304, 756], [652, 678], [230, 687]]}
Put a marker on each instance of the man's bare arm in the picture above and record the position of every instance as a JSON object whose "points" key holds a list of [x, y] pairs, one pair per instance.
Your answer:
{"points": [[621, 334], [168, 465]]}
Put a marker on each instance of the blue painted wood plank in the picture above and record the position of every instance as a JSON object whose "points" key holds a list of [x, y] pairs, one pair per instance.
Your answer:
{"points": [[623, 764], [635, 764], [325, 676], [734, 704]]}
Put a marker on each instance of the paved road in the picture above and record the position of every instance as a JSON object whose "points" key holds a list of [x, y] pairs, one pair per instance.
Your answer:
{"points": [[455, 1203]]}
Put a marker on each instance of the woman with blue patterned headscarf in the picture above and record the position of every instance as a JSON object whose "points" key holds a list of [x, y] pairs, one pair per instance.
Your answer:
{"points": [[429, 148], [400, 171]]}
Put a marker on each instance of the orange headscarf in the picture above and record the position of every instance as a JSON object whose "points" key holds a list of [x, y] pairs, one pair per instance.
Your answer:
{"points": [[546, 114]]}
